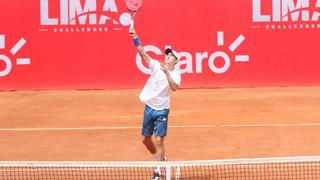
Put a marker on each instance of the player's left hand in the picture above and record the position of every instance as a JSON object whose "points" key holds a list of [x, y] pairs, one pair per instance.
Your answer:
{"points": [[132, 32], [164, 68]]}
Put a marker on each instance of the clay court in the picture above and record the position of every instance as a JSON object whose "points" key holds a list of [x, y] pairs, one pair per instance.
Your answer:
{"points": [[104, 125]]}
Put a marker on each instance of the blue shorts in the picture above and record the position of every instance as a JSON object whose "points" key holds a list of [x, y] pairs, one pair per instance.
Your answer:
{"points": [[155, 121]]}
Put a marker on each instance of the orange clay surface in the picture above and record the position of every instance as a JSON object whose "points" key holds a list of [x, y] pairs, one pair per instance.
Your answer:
{"points": [[104, 125]]}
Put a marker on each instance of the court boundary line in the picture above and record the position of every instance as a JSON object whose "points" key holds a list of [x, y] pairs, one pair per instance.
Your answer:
{"points": [[173, 126]]}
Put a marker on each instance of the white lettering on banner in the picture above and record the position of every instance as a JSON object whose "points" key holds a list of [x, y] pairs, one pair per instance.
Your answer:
{"points": [[14, 50], [257, 16], [76, 9], [199, 58], [283, 9], [225, 58], [185, 64], [79, 13], [8, 65], [185, 61], [316, 15], [288, 8], [44, 14], [139, 63], [288, 12]]}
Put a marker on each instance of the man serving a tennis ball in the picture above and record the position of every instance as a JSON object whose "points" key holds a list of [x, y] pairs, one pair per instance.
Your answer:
{"points": [[156, 96]]}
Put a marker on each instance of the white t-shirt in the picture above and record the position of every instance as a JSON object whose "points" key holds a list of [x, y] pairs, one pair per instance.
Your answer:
{"points": [[156, 92]]}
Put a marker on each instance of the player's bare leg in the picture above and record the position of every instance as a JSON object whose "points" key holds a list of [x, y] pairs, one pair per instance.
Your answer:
{"points": [[160, 157], [160, 148], [147, 141]]}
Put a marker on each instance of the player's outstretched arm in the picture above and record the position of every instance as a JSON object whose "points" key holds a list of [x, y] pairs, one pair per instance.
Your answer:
{"points": [[146, 58]]}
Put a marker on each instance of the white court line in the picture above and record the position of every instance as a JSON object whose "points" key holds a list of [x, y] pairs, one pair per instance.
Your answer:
{"points": [[98, 128], [138, 127], [68, 129], [268, 125]]}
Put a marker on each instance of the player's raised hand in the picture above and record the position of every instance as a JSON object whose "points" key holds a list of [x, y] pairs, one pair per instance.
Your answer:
{"points": [[164, 68], [132, 32]]}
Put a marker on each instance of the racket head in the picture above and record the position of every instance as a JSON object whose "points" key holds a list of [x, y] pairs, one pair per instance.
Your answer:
{"points": [[133, 5]]}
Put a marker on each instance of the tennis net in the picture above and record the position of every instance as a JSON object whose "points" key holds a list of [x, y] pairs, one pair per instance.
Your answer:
{"points": [[292, 168]]}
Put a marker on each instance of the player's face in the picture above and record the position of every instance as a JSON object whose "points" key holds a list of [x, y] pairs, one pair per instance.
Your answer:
{"points": [[170, 59]]}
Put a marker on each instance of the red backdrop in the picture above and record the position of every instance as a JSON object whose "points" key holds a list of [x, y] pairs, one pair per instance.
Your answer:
{"points": [[84, 44]]}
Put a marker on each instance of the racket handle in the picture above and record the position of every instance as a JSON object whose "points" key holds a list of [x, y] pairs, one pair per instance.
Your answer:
{"points": [[132, 24]]}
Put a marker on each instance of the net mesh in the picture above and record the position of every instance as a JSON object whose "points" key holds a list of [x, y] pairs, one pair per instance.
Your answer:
{"points": [[295, 168]]}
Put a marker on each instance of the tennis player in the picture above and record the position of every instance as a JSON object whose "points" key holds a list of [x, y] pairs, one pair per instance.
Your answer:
{"points": [[156, 96]]}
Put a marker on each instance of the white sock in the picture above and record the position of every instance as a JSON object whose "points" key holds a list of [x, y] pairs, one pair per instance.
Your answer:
{"points": [[158, 170]]}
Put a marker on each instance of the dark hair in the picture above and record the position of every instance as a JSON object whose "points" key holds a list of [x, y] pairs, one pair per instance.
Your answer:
{"points": [[168, 51]]}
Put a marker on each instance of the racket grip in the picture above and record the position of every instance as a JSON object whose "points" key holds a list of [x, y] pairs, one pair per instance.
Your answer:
{"points": [[132, 24]]}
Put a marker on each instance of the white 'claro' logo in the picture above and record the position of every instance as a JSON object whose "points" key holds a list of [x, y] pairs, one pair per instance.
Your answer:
{"points": [[185, 64], [14, 50], [73, 15], [290, 13]]}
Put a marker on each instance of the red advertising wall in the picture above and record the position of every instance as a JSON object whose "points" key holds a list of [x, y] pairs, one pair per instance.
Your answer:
{"points": [[84, 44]]}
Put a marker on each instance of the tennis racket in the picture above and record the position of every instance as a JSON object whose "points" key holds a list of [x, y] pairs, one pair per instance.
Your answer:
{"points": [[133, 6]]}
